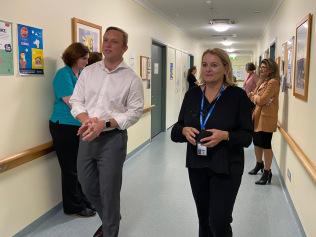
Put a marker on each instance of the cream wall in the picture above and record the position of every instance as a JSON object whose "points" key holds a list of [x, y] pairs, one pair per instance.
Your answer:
{"points": [[32, 189], [297, 116]]}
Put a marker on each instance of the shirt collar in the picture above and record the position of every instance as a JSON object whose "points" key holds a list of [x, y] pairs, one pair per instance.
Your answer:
{"points": [[121, 65]]}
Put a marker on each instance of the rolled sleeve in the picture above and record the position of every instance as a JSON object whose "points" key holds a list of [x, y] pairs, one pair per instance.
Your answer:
{"points": [[135, 106]]}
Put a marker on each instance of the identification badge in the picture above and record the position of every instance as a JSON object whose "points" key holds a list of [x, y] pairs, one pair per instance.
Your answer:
{"points": [[201, 149]]}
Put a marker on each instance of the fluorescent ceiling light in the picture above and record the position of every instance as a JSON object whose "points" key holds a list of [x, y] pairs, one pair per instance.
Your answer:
{"points": [[230, 50], [220, 27], [227, 43]]}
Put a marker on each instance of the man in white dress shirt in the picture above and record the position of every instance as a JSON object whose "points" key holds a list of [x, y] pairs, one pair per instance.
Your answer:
{"points": [[107, 99]]}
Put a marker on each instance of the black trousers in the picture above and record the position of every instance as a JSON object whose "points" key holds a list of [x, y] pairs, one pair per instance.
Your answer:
{"points": [[66, 143], [214, 196]]}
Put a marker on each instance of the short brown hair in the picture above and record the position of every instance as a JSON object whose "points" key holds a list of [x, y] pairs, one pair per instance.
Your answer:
{"points": [[125, 35], [273, 67], [73, 52], [250, 67], [228, 77]]}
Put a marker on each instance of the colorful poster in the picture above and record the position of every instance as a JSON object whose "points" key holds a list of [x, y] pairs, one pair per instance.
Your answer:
{"points": [[6, 48], [30, 58]]}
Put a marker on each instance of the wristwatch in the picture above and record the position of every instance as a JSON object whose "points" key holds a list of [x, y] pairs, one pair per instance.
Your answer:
{"points": [[108, 124]]}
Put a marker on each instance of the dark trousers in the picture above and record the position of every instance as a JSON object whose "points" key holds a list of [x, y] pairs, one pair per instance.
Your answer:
{"points": [[214, 196], [66, 143], [100, 165]]}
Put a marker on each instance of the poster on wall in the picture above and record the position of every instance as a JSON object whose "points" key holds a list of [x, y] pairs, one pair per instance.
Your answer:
{"points": [[30, 45], [6, 51]]}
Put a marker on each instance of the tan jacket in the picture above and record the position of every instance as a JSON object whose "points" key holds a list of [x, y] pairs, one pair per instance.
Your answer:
{"points": [[266, 99]]}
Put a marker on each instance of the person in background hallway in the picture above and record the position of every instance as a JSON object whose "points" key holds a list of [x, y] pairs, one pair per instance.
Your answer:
{"points": [[107, 99], [94, 57], [64, 128], [215, 121], [250, 82], [265, 117], [191, 77]]}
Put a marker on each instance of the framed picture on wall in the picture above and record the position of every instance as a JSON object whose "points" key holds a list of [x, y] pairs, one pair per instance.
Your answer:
{"points": [[87, 33], [289, 62], [144, 67], [302, 58], [283, 59]]}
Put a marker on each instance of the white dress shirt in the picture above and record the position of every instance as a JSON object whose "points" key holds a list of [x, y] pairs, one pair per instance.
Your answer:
{"points": [[108, 94]]}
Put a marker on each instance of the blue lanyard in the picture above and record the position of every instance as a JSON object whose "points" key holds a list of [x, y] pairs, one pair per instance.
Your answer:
{"points": [[203, 123]]}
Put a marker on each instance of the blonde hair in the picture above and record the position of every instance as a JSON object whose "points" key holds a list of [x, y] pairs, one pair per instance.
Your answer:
{"points": [[228, 76]]}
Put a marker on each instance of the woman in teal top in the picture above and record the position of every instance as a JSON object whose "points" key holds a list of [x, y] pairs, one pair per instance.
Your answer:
{"points": [[63, 128]]}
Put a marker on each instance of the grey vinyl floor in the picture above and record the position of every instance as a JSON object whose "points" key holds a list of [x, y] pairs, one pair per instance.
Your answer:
{"points": [[156, 201]]}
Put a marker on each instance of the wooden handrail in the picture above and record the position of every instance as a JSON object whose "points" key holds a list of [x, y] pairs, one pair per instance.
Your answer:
{"points": [[149, 108], [13, 161], [306, 162], [25, 156]]}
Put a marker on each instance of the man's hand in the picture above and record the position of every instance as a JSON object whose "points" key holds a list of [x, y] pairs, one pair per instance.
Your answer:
{"points": [[190, 134], [91, 129], [85, 125]]}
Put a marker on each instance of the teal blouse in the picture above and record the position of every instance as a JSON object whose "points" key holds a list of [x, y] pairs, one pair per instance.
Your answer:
{"points": [[64, 83]]}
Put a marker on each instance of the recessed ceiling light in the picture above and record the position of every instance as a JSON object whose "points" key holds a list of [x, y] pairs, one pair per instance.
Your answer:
{"points": [[208, 2], [227, 42], [220, 27], [257, 12], [230, 50]]}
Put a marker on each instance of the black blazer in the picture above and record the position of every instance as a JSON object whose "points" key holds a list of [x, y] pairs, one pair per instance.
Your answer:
{"points": [[232, 113]]}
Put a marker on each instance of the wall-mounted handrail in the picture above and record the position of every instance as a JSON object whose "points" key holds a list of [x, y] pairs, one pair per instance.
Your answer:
{"points": [[25, 156], [306, 162], [16, 160]]}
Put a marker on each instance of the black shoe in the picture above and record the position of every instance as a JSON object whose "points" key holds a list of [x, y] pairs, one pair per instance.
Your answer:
{"points": [[87, 212], [259, 166], [99, 232], [265, 178], [90, 206]]}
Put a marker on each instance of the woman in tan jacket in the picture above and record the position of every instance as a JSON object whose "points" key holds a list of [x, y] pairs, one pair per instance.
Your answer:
{"points": [[265, 117]]}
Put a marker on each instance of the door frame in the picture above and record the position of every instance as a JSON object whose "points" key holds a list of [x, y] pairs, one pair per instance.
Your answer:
{"points": [[163, 82]]}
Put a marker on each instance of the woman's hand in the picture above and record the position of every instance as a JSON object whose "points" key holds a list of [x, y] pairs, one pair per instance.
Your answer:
{"points": [[215, 138], [190, 134]]}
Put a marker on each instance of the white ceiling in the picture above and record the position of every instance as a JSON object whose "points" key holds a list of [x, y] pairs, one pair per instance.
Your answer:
{"points": [[193, 16]]}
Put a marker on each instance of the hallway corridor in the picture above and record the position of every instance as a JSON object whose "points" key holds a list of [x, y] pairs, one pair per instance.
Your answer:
{"points": [[156, 201]]}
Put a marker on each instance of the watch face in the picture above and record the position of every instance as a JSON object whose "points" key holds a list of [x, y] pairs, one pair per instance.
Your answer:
{"points": [[108, 124]]}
